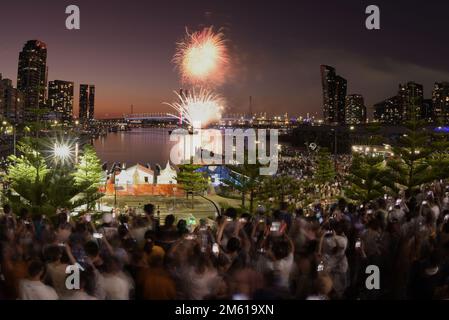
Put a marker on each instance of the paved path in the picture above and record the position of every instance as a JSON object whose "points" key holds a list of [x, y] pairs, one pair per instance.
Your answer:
{"points": [[179, 206]]}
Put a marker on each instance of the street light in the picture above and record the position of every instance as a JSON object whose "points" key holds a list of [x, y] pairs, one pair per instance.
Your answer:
{"points": [[14, 138], [76, 152], [9, 130], [174, 196]]}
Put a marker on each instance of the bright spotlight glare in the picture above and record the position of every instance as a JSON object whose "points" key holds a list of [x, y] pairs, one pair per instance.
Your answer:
{"points": [[62, 151]]}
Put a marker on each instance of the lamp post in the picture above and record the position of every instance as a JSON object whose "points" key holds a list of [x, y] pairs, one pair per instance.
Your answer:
{"points": [[217, 209], [115, 196], [14, 133], [115, 191], [174, 197], [76, 152], [335, 148]]}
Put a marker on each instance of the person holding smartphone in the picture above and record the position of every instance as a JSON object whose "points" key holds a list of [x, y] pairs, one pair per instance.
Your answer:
{"points": [[332, 250], [282, 260], [397, 213], [229, 227]]}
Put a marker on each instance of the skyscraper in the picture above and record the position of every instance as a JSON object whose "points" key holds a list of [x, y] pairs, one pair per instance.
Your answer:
{"points": [[355, 110], [408, 103], [334, 94], [11, 101], [32, 76], [412, 96], [87, 103], [341, 86], [84, 101], [327, 81], [389, 111], [428, 111], [440, 100], [60, 99], [91, 115]]}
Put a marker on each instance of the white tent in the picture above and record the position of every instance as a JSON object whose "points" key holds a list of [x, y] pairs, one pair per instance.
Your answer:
{"points": [[167, 176]]}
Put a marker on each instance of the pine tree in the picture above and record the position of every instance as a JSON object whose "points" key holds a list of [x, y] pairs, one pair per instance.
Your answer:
{"points": [[366, 177], [36, 125], [325, 171], [439, 158], [279, 188], [88, 176], [410, 167], [27, 175], [43, 188], [245, 178], [368, 172], [192, 181]]}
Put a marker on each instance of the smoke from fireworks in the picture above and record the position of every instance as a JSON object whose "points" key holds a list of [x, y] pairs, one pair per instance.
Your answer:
{"points": [[202, 58], [202, 108]]}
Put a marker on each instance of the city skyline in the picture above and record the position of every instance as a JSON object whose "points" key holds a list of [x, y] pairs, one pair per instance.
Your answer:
{"points": [[281, 73]]}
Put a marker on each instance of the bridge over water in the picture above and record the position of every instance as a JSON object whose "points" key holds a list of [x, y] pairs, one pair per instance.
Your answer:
{"points": [[149, 117]]}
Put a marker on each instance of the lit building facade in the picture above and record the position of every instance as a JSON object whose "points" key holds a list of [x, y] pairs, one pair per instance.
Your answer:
{"points": [[412, 96], [32, 77], [11, 102], [334, 95], [440, 101], [428, 111], [355, 110], [86, 103], [60, 99], [389, 111], [406, 105]]}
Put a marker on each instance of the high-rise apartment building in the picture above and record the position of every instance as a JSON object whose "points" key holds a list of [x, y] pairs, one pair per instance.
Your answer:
{"points": [[60, 99], [32, 77], [86, 103], [440, 101], [412, 96], [355, 110], [334, 95], [389, 111], [11, 102]]}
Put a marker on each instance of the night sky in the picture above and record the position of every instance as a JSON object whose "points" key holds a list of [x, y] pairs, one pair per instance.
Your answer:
{"points": [[125, 48]]}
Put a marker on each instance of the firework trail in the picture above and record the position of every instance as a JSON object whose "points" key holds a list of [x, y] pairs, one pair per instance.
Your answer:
{"points": [[202, 58], [201, 108]]}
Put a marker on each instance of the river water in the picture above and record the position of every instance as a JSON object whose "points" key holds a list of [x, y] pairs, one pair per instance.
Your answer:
{"points": [[141, 145]]}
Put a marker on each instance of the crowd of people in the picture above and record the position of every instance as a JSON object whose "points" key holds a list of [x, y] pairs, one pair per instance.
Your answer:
{"points": [[317, 254], [303, 165]]}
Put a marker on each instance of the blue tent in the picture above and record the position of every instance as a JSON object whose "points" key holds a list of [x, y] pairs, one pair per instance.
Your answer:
{"points": [[218, 174]]}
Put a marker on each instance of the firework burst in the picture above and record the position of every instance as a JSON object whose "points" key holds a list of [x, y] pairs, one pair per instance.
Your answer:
{"points": [[202, 58], [198, 109]]}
